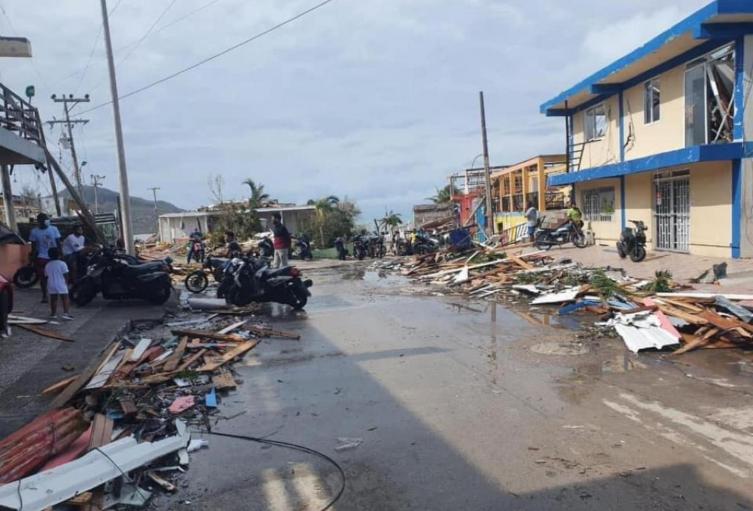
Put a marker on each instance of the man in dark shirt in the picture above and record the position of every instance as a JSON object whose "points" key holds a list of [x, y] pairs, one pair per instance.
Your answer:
{"points": [[233, 247], [281, 241]]}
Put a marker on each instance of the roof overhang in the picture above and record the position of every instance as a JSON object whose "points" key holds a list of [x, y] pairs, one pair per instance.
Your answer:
{"points": [[15, 150], [680, 157], [719, 22]]}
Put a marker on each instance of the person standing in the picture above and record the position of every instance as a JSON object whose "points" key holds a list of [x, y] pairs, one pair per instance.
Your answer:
{"points": [[56, 272], [73, 244], [281, 241], [43, 237], [532, 219]]}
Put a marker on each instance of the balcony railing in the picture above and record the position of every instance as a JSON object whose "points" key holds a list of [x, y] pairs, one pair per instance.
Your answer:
{"points": [[19, 117]]}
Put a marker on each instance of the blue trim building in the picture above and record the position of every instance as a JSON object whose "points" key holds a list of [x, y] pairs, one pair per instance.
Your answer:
{"points": [[662, 135]]}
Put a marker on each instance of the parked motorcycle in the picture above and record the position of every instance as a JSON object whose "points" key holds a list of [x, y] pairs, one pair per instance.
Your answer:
{"points": [[266, 247], [197, 281], [302, 249], [424, 244], [25, 277], [249, 280], [633, 242], [117, 280], [376, 247], [360, 247], [545, 238]]}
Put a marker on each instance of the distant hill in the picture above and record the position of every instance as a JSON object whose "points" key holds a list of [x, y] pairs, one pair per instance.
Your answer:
{"points": [[142, 210]]}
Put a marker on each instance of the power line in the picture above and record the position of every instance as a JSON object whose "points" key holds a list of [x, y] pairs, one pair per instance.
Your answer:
{"points": [[149, 31], [215, 56], [187, 15]]}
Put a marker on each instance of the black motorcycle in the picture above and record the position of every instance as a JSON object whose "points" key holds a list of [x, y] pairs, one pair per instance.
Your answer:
{"points": [[197, 281], [424, 245], [633, 242], [360, 247], [545, 238], [376, 247], [302, 250], [117, 280], [249, 280]]}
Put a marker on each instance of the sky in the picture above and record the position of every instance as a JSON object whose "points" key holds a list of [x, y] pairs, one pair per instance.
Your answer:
{"points": [[373, 100]]}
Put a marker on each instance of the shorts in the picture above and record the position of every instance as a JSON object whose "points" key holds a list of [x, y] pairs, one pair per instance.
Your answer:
{"points": [[39, 264], [531, 230]]}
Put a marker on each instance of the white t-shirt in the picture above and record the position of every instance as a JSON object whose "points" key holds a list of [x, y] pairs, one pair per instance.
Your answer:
{"points": [[532, 216], [73, 244], [55, 272]]}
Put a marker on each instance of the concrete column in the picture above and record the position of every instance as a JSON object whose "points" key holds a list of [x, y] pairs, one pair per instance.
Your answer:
{"points": [[10, 214], [542, 184], [743, 186]]}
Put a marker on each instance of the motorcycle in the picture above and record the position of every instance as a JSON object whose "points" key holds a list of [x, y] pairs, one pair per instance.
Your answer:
{"points": [[303, 250], [633, 242], [249, 280], [424, 245], [376, 247], [360, 247], [545, 238], [25, 277], [116, 280], [197, 281]]}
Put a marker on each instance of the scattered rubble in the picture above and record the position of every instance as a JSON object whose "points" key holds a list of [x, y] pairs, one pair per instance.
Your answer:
{"points": [[646, 314]]}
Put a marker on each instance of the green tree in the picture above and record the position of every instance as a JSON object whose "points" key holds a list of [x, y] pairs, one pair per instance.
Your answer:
{"points": [[443, 195], [391, 220], [324, 207], [258, 196], [334, 218]]}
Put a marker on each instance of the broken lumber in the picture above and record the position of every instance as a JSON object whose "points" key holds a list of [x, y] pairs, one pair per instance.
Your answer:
{"points": [[210, 335], [239, 350], [44, 332]]}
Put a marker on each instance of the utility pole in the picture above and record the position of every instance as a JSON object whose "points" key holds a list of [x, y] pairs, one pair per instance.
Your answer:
{"points": [[96, 183], [69, 123], [125, 196], [10, 213], [490, 227], [154, 190]]}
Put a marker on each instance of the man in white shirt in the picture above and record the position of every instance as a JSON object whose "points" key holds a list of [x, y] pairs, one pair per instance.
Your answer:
{"points": [[72, 246], [532, 219], [43, 237]]}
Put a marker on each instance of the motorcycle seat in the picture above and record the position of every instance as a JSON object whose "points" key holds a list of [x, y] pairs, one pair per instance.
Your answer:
{"points": [[141, 269]]}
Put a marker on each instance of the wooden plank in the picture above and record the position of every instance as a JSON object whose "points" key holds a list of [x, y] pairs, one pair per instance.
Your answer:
{"points": [[210, 335], [190, 360], [232, 327], [723, 323], [683, 305], [239, 350], [44, 332], [692, 342], [224, 381], [691, 318], [174, 359], [520, 262], [59, 386], [268, 332], [84, 377], [101, 432], [107, 370], [139, 350]]}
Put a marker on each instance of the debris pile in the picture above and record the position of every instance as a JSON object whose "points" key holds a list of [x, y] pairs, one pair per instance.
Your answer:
{"points": [[128, 412], [646, 314]]}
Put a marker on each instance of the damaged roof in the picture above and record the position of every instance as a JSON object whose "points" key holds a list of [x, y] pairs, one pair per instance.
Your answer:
{"points": [[720, 21]]}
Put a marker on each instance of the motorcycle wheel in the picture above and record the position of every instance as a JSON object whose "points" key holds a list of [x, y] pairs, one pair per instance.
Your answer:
{"points": [[25, 277], [621, 251], [161, 295], [638, 254], [300, 297], [361, 255], [196, 281], [578, 239], [541, 243], [83, 292]]}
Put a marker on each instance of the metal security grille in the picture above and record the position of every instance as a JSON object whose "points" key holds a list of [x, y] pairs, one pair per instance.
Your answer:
{"points": [[672, 207]]}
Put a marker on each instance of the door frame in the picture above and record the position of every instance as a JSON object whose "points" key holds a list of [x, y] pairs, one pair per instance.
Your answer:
{"points": [[669, 176]]}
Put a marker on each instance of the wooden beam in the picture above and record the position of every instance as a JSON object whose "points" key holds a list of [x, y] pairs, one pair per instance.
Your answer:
{"points": [[84, 377]]}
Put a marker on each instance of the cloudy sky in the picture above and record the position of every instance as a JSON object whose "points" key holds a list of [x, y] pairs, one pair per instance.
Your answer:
{"points": [[376, 100]]}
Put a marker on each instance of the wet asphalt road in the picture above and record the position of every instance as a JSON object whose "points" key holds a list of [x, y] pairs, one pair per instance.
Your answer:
{"points": [[471, 407]]}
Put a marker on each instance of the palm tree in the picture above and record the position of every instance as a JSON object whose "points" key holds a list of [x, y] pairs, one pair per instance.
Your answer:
{"points": [[444, 195], [323, 206], [391, 220], [257, 193]]}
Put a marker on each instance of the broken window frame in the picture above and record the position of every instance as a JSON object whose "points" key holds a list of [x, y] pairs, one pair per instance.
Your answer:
{"points": [[593, 131], [652, 101], [719, 72]]}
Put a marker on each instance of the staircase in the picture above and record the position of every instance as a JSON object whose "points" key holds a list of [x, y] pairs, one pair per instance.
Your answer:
{"points": [[576, 156]]}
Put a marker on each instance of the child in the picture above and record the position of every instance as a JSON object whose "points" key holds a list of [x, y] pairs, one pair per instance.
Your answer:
{"points": [[56, 272]]}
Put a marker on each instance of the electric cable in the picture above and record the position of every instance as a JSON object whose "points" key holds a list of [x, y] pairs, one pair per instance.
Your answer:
{"points": [[215, 56], [294, 447], [187, 15], [148, 32]]}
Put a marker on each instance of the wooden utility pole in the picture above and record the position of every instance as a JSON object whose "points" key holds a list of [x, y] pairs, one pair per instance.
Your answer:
{"points": [[96, 183], [125, 196], [10, 213], [490, 228], [69, 124], [154, 190]]}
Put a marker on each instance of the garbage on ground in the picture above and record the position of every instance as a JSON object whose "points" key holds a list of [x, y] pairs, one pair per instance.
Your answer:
{"points": [[646, 314], [128, 412]]}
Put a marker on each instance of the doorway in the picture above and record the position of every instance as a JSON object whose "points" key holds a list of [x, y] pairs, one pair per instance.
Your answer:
{"points": [[672, 211]]}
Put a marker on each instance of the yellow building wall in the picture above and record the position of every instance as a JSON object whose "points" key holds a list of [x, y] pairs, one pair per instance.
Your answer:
{"points": [[711, 209], [605, 232], [639, 203], [666, 134], [605, 150]]}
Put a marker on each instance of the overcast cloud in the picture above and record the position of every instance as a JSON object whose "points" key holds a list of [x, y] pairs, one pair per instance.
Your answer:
{"points": [[375, 100]]}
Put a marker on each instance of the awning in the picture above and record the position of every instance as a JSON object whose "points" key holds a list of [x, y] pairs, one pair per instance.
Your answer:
{"points": [[680, 157]]}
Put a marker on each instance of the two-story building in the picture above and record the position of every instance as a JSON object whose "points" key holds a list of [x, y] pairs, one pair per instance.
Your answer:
{"points": [[664, 135]]}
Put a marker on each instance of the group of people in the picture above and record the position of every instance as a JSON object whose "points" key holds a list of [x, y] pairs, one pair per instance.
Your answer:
{"points": [[56, 262], [573, 215]]}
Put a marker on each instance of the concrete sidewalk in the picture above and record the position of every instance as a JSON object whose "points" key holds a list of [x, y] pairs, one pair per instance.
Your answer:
{"points": [[29, 362], [682, 266]]}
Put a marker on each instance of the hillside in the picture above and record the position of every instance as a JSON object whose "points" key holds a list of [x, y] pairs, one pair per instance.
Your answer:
{"points": [[142, 210]]}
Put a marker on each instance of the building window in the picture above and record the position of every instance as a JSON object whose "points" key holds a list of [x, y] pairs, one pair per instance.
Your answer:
{"points": [[598, 204], [652, 102], [596, 123]]}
